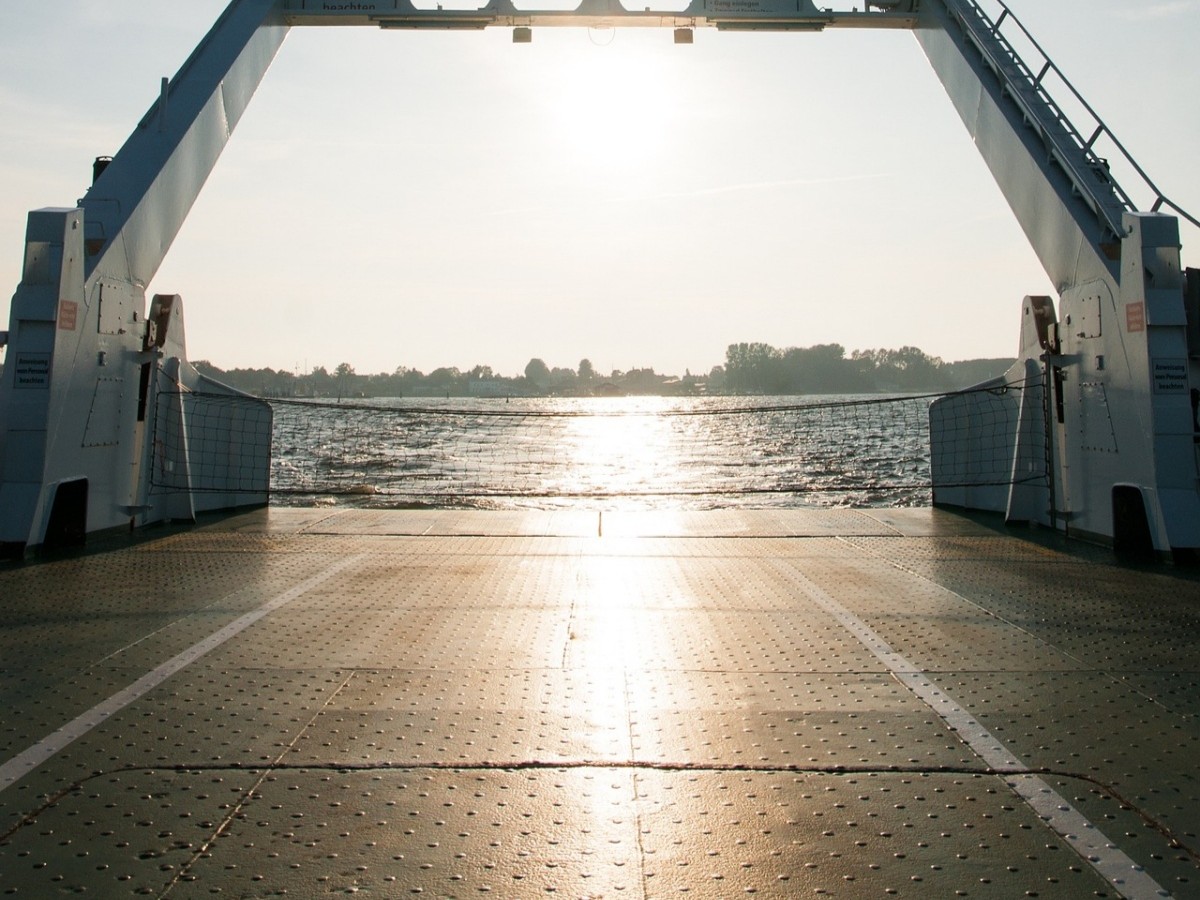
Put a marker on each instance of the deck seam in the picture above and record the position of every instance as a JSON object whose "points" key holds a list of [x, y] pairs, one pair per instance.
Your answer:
{"points": [[1092, 845], [15, 768]]}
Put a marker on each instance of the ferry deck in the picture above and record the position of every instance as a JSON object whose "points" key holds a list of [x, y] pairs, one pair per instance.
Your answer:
{"points": [[307, 702]]}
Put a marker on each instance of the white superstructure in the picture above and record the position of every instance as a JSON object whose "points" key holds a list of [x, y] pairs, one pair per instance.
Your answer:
{"points": [[96, 392]]}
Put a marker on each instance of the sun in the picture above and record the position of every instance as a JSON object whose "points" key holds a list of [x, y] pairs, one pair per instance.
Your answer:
{"points": [[609, 102]]}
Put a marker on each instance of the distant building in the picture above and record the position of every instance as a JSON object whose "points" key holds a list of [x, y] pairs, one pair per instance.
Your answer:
{"points": [[489, 387]]}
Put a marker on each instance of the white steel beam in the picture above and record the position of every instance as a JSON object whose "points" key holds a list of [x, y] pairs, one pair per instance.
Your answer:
{"points": [[76, 405]]}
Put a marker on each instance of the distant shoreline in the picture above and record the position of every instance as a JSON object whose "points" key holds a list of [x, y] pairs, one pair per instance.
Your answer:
{"points": [[749, 370]]}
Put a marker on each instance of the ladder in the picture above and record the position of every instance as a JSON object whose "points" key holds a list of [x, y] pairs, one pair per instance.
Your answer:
{"points": [[1028, 85]]}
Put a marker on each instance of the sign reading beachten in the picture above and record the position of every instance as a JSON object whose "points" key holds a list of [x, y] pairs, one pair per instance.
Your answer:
{"points": [[1170, 376], [31, 370]]}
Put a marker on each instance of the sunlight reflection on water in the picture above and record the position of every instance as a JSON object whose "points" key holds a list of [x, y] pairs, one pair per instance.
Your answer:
{"points": [[604, 453]]}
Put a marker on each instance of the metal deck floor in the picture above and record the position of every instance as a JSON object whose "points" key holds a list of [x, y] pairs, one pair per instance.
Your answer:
{"points": [[774, 703]]}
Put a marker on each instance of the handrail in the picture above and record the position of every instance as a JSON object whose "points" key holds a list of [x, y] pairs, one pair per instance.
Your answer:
{"points": [[1095, 183]]}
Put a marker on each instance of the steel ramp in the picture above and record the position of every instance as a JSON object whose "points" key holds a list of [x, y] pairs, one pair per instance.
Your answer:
{"points": [[778, 704]]}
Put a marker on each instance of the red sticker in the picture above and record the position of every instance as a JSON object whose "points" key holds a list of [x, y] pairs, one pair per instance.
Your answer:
{"points": [[68, 314], [1135, 317]]}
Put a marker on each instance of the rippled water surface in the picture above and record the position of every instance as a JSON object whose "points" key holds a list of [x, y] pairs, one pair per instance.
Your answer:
{"points": [[644, 452]]}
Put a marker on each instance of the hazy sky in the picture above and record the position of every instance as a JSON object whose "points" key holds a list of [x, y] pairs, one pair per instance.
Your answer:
{"points": [[429, 199]]}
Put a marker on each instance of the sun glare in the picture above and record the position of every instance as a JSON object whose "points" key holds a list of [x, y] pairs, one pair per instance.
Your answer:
{"points": [[621, 455], [610, 104]]}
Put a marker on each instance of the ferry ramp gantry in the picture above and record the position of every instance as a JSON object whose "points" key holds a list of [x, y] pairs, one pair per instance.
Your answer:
{"points": [[1105, 445]]}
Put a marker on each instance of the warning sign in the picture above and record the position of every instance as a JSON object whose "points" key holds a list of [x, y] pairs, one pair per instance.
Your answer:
{"points": [[1170, 376], [31, 370], [1135, 317], [68, 314]]}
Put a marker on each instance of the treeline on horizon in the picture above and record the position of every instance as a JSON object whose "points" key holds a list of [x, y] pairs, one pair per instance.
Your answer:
{"points": [[749, 368]]}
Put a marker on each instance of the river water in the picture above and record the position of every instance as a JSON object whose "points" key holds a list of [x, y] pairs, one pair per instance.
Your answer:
{"points": [[603, 453]]}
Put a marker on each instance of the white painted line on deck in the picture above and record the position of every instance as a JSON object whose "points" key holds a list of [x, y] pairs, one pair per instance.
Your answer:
{"points": [[1126, 876], [25, 762]]}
